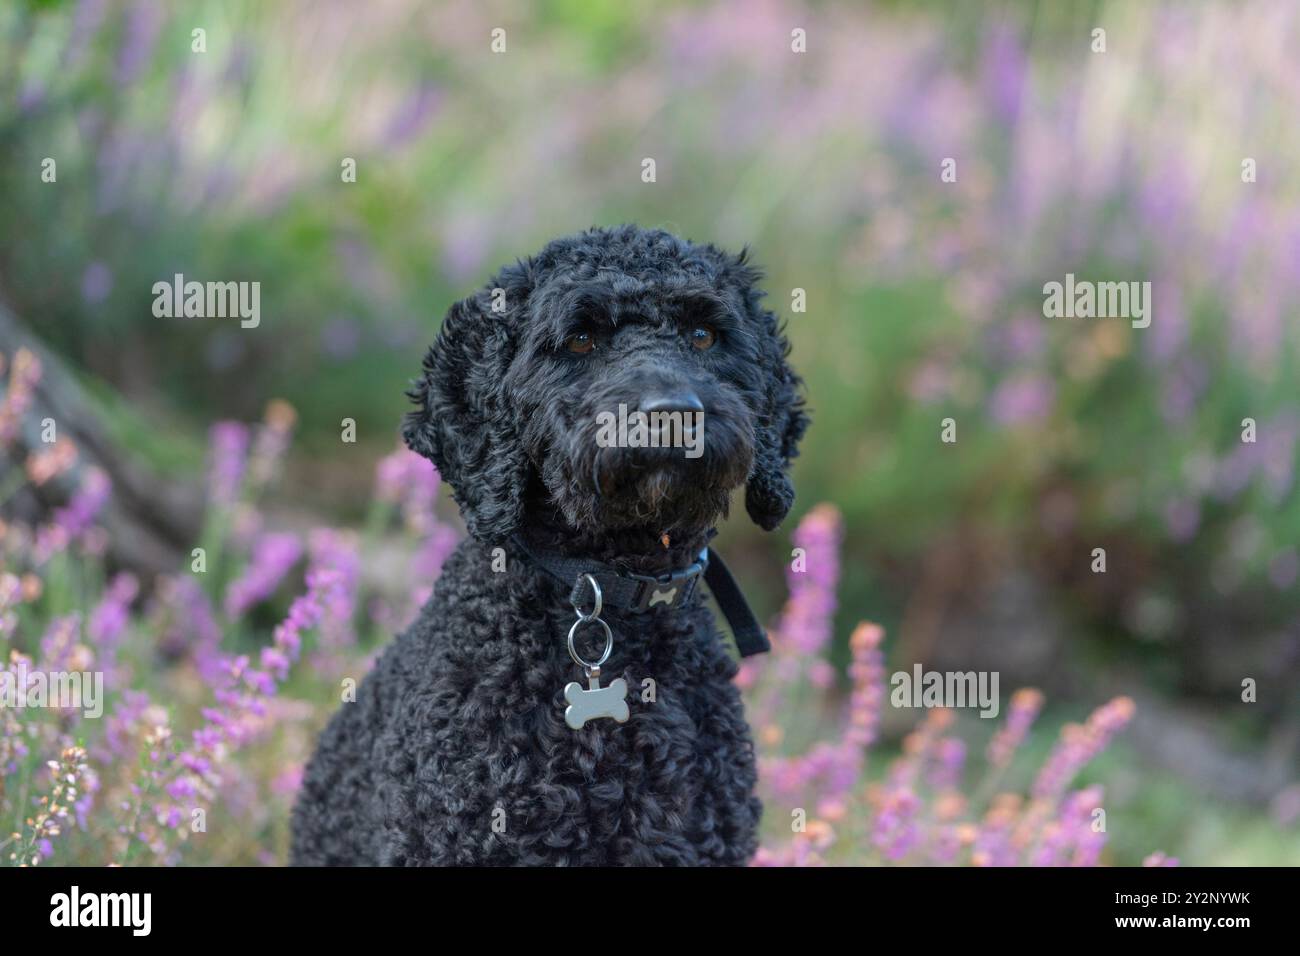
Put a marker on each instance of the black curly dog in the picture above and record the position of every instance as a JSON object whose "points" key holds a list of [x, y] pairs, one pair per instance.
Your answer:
{"points": [[456, 750]]}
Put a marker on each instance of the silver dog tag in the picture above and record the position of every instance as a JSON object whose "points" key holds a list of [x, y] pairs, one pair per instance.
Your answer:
{"points": [[596, 701]]}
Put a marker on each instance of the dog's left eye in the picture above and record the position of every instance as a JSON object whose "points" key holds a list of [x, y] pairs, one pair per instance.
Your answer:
{"points": [[581, 343], [703, 337]]}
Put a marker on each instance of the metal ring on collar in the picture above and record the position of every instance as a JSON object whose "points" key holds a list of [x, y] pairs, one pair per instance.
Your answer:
{"points": [[600, 601], [609, 642]]}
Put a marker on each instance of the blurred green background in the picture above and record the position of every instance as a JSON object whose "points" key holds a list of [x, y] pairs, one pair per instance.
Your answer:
{"points": [[924, 297]]}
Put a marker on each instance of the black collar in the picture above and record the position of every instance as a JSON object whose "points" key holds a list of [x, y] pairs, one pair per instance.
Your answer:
{"points": [[646, 593]]}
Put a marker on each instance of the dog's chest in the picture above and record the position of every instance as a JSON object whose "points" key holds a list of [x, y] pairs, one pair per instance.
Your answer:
{"points": [[657, 788], [670, 784]]}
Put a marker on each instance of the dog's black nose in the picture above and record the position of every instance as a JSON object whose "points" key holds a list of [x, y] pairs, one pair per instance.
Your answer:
{"points": [[683, 401]]}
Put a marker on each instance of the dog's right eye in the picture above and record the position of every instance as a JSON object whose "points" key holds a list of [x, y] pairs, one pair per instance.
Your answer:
{"points": [[581, 343]]}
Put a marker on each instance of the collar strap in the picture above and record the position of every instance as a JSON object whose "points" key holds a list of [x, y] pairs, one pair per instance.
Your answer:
{"points": [[646, 593]]}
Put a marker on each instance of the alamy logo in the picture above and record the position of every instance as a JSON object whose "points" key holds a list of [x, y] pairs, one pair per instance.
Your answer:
{"points": [[179, 299], [70, 690], [133, 910], [950, 689], [1098, 300], [638, 429]]}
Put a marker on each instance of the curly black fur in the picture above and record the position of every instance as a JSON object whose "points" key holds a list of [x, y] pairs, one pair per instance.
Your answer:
{"points": [[456, 750]]}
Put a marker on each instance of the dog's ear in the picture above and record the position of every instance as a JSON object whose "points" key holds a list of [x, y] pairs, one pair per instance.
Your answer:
{"points": [[769, 493], [463, 422]]}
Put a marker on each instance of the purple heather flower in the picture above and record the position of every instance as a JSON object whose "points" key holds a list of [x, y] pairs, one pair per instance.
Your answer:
{"points": [[993, 845], [86, 21], [1079, 744], [390, 476], [229, 444], [1169, 334], [437, 547], [24, 373], [119, 727], [288, 781], [1088, 840], [183, 619], [270, 444], [949, 758], [110, 615], [412, 116], [273, 556], [1024, 707], [410, 480], [806, 621], [59, 644], [1053, 846], [867, 670], [109, 618], [337, 551], [1005, 71], [11, 594], [466, 243], [894, 831], [142, 26], [945, 845], [1022, 398]]}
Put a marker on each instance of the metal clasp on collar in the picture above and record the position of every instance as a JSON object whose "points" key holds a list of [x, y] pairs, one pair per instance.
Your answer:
{"points": [[669, 591]]}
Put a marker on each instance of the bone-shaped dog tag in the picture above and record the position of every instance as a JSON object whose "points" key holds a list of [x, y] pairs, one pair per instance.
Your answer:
{"points": [[585, 705]]}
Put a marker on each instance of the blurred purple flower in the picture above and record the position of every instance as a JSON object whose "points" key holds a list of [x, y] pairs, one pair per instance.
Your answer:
{"points": [[86, 21], [412, 116], [273, 555], [806, 620], [110, 616], [270, 444], [143, 24], [1022, 398], [894, 831], [438, 545], [189, 627], [1020, 339], [1025, 705], [1164, 200], [229, 446], [465, 245], [1181, 389], [92, 494], [949, 759], [340, 338], [11, 595], [1080, 743], [1168, 327], [31, 95], [867, 669], [24, 374], [96, 283], [338, 551], [59, 643], [1285, 806], [1005, 69], [1182, 518]]}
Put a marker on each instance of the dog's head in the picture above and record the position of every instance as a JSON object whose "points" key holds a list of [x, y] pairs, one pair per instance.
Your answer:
{"points": [[519, 402]]}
